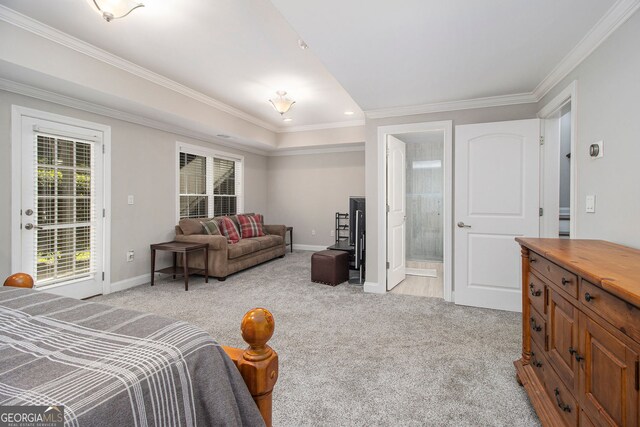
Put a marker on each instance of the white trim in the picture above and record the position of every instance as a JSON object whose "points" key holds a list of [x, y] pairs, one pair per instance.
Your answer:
{"points": [[64, 39], [206, 152], [314, 150], [491, 101], [322, 126], [422, 272], [383, 131], [129, 283], [314, 248], [374, 288], [33, 92], [614, 18], [17, 115], [568, 94]]}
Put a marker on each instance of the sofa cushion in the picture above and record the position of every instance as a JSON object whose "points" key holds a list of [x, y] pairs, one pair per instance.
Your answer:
{"points": [[211, 227], [191, 226], [243, 247], [250, 226], [268, 241], [229, 230]]}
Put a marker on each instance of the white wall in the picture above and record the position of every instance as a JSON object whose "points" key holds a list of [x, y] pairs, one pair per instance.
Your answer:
{"points": [[608, 108], [305, 191], [481, 115], [143, 165]]}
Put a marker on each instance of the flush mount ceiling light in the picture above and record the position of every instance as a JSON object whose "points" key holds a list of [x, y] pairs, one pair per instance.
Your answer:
{"points": [[116, 9], [281, 103]]}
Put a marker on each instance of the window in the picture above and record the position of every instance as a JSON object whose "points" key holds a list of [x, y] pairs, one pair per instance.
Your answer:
{"points": [[209, 183]]}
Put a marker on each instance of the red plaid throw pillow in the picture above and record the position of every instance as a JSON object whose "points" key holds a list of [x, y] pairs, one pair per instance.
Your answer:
{"points": [[250, 226], [229, 230]]}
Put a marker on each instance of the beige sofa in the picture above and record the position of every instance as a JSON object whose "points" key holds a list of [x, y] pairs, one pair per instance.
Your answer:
{"points": [[227, 258]]}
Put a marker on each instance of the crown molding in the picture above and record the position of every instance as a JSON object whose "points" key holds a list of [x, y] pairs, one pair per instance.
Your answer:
{"points": [[467, 104], [314, 150], [44, 95], [38, 28], [322, 126], [614, 18]]}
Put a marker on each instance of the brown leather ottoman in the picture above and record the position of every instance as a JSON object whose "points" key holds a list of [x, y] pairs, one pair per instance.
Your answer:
{"points": [[330, 267]]}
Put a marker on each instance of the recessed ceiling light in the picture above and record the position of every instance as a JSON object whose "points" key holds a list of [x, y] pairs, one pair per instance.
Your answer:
{"points": [[302, 44], [348, 113], [287, 119], [223, 136]]}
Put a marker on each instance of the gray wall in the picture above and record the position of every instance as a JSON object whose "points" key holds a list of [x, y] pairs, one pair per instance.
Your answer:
{"points": [[565, 162], [143, 165], [480, 115], [305, 191], [607, 109]]}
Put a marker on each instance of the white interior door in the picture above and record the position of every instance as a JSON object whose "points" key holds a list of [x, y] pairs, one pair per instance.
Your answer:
{"points": [[396, 211], [61, 223], [496, 200]]}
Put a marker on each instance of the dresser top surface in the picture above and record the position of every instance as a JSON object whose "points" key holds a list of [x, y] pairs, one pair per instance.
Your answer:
{"points": [[613, 267]]}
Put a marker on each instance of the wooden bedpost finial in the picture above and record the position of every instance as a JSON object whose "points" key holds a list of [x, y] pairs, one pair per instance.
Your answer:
{"points": [[19, 280], [257, 329]]}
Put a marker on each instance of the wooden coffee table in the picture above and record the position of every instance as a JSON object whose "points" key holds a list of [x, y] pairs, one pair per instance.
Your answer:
{"points": [[184, 248]]}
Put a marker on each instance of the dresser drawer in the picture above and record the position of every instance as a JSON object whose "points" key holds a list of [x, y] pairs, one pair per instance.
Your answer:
{"points": [[538, 361], [561, 398], [537, 293], [538, 327], [624, 316], [564, 279]]}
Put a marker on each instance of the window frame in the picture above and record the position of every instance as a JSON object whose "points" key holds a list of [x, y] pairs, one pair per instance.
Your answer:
{"points": [[210, 153]]}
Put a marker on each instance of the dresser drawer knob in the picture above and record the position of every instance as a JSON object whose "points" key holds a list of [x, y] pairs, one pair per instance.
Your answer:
{"points": [[588, 297], [533, 260], [533, 291], [534, 325], [565, 282], [563, 406]]}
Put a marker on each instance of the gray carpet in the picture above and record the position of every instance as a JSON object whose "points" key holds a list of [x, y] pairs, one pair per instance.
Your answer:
{"points": [[353, 359]]}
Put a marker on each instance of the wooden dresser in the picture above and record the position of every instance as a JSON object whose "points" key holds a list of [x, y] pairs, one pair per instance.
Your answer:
{"points": [[580, 331]]}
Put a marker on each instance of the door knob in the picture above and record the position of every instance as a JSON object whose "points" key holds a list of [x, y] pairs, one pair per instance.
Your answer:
{"points": [[463, 225]]}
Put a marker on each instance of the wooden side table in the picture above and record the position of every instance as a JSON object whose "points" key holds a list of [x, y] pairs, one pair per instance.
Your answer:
{"points": [[184, 248], [290, 230]]}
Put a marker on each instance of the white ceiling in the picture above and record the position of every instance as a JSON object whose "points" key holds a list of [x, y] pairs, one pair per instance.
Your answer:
{"points": [[238, 52], [415, 52]]}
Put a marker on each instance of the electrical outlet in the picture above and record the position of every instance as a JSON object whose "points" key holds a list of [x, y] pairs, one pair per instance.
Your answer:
{"points": [[130, 255], [130, 200], [313, 232], [591, 204]]}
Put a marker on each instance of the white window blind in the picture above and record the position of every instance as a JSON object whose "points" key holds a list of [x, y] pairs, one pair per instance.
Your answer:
{"points": [[210, 184], [65, 209]]}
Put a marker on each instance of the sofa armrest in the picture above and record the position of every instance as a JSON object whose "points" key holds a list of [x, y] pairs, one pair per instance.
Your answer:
{"points": [[216, 242], [278, 230]]}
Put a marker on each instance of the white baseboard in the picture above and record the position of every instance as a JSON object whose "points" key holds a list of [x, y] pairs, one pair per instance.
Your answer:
{"points": [[425, 272], [314, 248], [128, 283], [374, 288]]}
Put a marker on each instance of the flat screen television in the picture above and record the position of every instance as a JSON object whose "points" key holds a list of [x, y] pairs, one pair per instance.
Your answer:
{"points": [[356, 218]]}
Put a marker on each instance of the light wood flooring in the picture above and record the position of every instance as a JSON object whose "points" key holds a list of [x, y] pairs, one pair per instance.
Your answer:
{"points": [[422, 286]]}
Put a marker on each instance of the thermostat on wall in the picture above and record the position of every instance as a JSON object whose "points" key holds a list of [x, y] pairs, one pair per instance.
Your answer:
{"points": [[596, 150]]}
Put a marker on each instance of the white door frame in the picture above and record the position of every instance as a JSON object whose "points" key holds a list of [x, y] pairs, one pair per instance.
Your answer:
{"points": [[17, 115], [383, 131], [568, 94]]}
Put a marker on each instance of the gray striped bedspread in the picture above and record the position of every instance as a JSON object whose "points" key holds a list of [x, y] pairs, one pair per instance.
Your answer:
{"points": [[114, 367]]}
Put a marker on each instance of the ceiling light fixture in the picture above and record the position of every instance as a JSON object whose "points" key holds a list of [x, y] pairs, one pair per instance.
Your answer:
{"points": [[116, 9], [348, 113], [302, 44], [281, 103]]}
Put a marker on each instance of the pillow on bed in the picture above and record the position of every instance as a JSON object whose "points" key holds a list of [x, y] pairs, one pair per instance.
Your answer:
{"points": [[229, 230], [211, 227], [250, 226]]}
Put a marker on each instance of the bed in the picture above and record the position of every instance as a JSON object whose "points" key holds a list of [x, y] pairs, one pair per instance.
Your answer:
{"points": [[110, 366]]}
